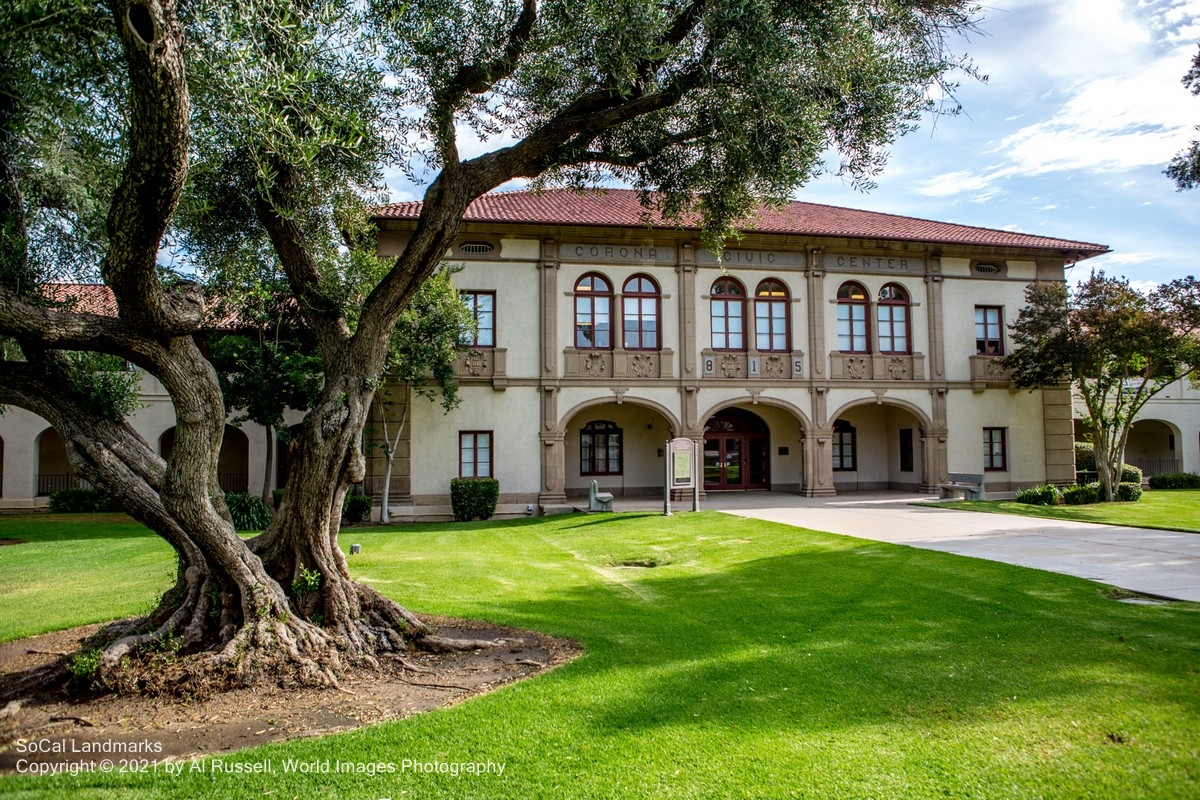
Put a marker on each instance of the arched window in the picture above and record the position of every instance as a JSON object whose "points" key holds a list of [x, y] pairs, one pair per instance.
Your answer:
{"points": [[639, 300], [892, 316], [771, 334], [600, 448], [728, 315], [853, 336], [593, 313]]}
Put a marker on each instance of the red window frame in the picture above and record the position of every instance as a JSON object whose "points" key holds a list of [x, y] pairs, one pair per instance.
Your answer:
{"points": [[989, 330], [995, 449], [485, 319], [893, 298], [727, 308], [772, 297], [472, 466], [644, 302], [593, 302], [852, 305]]}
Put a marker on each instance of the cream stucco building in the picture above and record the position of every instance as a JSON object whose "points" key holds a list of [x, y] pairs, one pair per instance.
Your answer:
{"points": [[829, 350]]}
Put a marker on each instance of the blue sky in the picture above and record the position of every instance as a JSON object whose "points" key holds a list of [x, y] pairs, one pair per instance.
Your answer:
{"points": [[1082, 110]]}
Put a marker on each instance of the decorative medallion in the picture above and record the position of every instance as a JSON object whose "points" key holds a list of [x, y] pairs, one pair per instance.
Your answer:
{"points": [[856, 367], [994, 370], [897, 368], [730, 366], [596, 365], [475, 362], [773, 367], [642, 366]]}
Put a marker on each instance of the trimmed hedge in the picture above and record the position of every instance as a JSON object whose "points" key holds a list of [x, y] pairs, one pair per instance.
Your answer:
{"points": [[1082, 495], [81, 501], [1047, 495], [357, 507], [1129, 492], [1175, 480], [249, 512], [474, 498]]}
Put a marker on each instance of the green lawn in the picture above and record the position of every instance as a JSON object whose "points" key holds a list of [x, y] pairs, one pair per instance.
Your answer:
{"points": [[1175, 509], [757, 661]]}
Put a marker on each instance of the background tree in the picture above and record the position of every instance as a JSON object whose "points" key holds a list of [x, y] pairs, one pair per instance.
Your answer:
{"points": [[1116, 346], [1184, 168], [247, 129], [421, 363], [266, 368]]}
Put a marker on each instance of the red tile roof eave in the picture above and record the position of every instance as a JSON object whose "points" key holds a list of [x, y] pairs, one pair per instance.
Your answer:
{"points": [[616, 208], [1078, 251]]}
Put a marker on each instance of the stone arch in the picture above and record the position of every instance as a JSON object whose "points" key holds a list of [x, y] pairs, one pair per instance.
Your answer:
{"points": [[672, 420], [620, 446], [882, 444], [54, 471], [1155, 446], [774, 402]]}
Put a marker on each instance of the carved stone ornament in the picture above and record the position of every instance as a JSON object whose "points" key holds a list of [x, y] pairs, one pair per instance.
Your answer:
{"points": [[994, 370], [856, 367], [596, 365], [475, 362], [773, 367], [642, 366], [730, 366], [897, 368]]}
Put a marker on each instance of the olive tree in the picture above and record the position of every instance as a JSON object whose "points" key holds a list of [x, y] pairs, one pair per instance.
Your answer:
{"points": [[245, 132]]}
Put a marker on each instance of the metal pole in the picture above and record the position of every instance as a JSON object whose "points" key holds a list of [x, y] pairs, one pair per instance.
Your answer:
{"points": [[697, 472], [667, 477]]}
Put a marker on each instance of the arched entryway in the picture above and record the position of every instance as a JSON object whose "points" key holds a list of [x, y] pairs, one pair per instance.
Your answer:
{"points": [[54, 470], [737, 451], [618, 445], [879, 446], [1154, 447], [233, 465]]}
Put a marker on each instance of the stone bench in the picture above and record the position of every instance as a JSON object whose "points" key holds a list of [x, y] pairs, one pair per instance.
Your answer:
{"points": [[968, 484], [598, 500]]}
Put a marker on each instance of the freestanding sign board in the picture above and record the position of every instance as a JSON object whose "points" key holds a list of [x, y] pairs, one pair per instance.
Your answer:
{"points": [[682, 472]]}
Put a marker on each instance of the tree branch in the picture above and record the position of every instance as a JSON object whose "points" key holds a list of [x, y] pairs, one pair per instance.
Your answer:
{"points": [[152, 179]]}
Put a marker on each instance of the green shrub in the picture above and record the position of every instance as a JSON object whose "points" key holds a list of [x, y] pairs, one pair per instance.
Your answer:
{"points": [[1128, 492], [1085, 461], [1085, 457], [81, 501], [474, 498], [249, 513], [276, 497], [1082, 495], [357, 507], [1047, 495], [1175, 480]]}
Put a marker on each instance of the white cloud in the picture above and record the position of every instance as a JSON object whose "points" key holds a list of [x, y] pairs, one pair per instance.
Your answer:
{"points": [[1048, 207]]}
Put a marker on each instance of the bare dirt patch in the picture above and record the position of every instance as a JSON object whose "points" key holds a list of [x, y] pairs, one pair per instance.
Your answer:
{"points": [[4, 541], [158, 728]]}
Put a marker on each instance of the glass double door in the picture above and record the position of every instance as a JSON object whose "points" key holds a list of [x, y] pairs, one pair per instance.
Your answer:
{"points": [[735, 461]]}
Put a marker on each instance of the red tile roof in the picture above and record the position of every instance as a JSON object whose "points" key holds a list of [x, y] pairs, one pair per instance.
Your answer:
{"points": [[91, 298], [620, 208]]}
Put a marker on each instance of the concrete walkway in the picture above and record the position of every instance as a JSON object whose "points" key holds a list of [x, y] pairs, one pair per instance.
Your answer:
{"points": [[1153, 562]]}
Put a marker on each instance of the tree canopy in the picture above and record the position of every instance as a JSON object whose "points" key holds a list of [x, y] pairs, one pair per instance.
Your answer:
{"points": [[1184, 168], [253, 137], [1116, 346]]}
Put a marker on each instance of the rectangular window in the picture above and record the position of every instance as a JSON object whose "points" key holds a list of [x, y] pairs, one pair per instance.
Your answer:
{"points": [[906, 449], [989, 330], [852, 327], [482, 306], [845, 447], [995, 449], [770, 326], [893, 329], [475, 454]]}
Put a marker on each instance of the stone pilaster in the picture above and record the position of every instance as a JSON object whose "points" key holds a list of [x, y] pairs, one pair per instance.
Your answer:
{"points": [[1058, 431], [818, 358], [933, 313]]}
